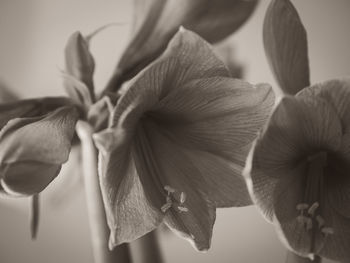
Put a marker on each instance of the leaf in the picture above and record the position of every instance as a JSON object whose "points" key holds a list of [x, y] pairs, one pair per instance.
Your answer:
{"points": [[285, 43], [212, 20]]}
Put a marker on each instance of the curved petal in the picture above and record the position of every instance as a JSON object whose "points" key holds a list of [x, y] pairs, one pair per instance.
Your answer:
{"points": [[44, 139], [130, 214], [217, 115], [337, 93], [187, 57], [211, 20], [27, 177], [285, 43], [161, 164], [32, 150], [297, 127], [79, 63], [30, 108]]}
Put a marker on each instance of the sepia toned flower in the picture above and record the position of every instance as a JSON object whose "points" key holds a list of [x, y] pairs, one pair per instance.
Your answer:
{"points": [[177, 143], [297, 171]]}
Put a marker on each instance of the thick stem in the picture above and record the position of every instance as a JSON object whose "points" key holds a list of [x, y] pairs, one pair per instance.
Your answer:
{"points": [[96, 211], [146, 249], [294, 258]]}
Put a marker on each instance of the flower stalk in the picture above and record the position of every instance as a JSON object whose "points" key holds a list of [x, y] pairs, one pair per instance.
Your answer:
{"points": [[146, 249], [96, 212]]}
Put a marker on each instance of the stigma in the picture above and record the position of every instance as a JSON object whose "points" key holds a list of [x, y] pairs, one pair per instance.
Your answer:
{"points": [[174, 199], [311, 208]]}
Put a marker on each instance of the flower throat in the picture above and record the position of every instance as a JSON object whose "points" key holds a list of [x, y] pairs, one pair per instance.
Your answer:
{"points": [[311, 208]]}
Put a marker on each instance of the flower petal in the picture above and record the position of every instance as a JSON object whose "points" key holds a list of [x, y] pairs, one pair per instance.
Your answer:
{"points": [[32, 150], [161, 163], [212, 20], [285, 43], [337, 93], [79, 61], [27, 177], [298, 127], [30, 108], [218, 115], [130, 214], [44, 139]]}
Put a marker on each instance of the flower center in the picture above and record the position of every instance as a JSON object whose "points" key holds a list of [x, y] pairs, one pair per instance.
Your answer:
{"points": [[311, 208], [174, 199]]}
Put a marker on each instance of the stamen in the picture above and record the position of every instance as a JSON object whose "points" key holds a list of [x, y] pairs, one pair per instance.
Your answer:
{"points": [[166, 207], [182, 209], [327, 230], [313, 208], [182, 197], [169, 189]]}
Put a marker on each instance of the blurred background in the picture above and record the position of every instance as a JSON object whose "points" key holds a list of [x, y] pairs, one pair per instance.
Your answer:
{"points": [[32, 37]]}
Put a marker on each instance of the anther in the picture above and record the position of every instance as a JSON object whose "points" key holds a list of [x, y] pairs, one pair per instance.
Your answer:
{"points": [[182, 197], [169, 189], [327, 230], [313, 208], [182, 209], [166, 207]]}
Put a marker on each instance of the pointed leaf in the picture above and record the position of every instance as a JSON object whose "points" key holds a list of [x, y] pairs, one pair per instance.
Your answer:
{"points": [[285, 43]]}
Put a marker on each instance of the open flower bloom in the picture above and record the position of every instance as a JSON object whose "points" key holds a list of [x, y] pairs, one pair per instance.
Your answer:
{"points": [[35, 140], [156, 22], [298, 170], [177, 143]]}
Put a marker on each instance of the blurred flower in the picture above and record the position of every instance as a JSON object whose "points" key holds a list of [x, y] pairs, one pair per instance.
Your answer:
{"points": [[298, 170], [158, 20], [177, 143], [35, 140]]}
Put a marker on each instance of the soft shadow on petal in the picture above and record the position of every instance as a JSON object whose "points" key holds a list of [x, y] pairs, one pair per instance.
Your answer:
{"points": [[44, 139], [336, 246], [161, 163], [30, 108], [217, 115], [130, 214], [285, 43], [186, 57], [296, 129], [337, 93], [27, 177]]}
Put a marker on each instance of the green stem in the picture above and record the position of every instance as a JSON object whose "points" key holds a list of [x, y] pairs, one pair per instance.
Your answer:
{"points": [[96, 212], [146, 249], [294, 258]]}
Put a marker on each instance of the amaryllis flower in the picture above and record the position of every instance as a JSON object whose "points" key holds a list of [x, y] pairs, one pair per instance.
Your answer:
{"points": [[177, 143], [298, 171], [156, 22]]}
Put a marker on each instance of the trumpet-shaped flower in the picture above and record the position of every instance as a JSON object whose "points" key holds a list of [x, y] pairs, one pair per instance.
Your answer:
{"points": [[177, 143], [156, 22], [298, 170]]}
